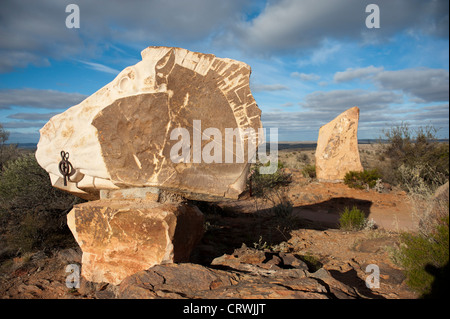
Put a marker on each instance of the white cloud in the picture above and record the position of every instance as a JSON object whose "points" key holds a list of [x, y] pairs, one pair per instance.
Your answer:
{"points": [[325, 52], [304, 125], [428, 85], [421, 84], [268, 87], [46, 99], [305, 76], [32, 116], [290, 25], [33, 32], [20, 125], [359, 73], [341, 100], [100, 67]]}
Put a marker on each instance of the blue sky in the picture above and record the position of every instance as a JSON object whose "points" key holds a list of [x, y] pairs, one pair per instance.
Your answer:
{"points": [[310, 59]]}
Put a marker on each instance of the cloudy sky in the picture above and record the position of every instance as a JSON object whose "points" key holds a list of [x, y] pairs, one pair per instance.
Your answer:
{"points": [[310, 59]]}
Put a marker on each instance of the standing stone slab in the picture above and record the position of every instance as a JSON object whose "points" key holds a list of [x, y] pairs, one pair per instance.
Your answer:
{"points": [[120, 136], [121, 237], [337, 147]]}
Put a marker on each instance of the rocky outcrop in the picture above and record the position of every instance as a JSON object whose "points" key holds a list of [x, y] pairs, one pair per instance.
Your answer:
{"points": [[341, 273], [337, 147], [122, 237], [250, 274], [160, 123]]}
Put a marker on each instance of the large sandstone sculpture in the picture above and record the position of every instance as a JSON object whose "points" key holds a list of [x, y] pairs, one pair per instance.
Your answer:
{"points": [[337, 147], [177, 121], [123, 135]]}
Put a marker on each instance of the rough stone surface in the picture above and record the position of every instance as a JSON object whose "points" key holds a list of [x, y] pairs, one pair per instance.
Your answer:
{"points": [[121, 237], [247, 276], [337, 147], [121, 135], [343, 255]]}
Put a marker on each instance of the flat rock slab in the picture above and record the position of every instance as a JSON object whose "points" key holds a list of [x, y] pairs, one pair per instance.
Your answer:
{"points": [[246, 274], [121, 237], [337, 147], [181, 281], [126, 134]]}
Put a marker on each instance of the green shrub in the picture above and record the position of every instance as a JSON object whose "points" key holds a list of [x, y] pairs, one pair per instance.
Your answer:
{"points": [[410, 148], [32, 211], [362, 180], [420, 252], [352, 219], [309, 171], [261, 184], [7, 152], [283, 207], [303, 158], [312, 262], [420, 180]]}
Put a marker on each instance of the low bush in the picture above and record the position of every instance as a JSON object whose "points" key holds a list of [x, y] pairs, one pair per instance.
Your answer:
{"points": [[421, 180], [410, 148], [7, 152], [352, 219], [32, 211], [261, 184], [425, 257], [309, 171], [312, 262], [362, 180], [282, 206], [304, 158]]}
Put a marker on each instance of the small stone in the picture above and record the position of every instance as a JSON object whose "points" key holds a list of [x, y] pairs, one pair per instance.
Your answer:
{"points": [[292, 261]]}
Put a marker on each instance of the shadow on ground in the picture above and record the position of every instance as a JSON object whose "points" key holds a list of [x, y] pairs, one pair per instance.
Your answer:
{"points": [[326, 214], [227, 230]]}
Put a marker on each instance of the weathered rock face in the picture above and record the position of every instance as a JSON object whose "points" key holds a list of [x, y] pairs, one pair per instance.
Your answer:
{"points": [[337, 147], [282, 276], [122, 237], [124, 134]]}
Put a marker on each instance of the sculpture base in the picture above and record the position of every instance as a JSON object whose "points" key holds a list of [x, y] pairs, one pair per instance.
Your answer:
{"points": [[121, 237]]}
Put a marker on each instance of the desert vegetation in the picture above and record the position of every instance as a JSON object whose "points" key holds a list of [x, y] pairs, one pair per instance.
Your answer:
{"points": [[352, 219], [32, 212], [424, 256], [362, 180], [420, 165], [414, 151]]}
